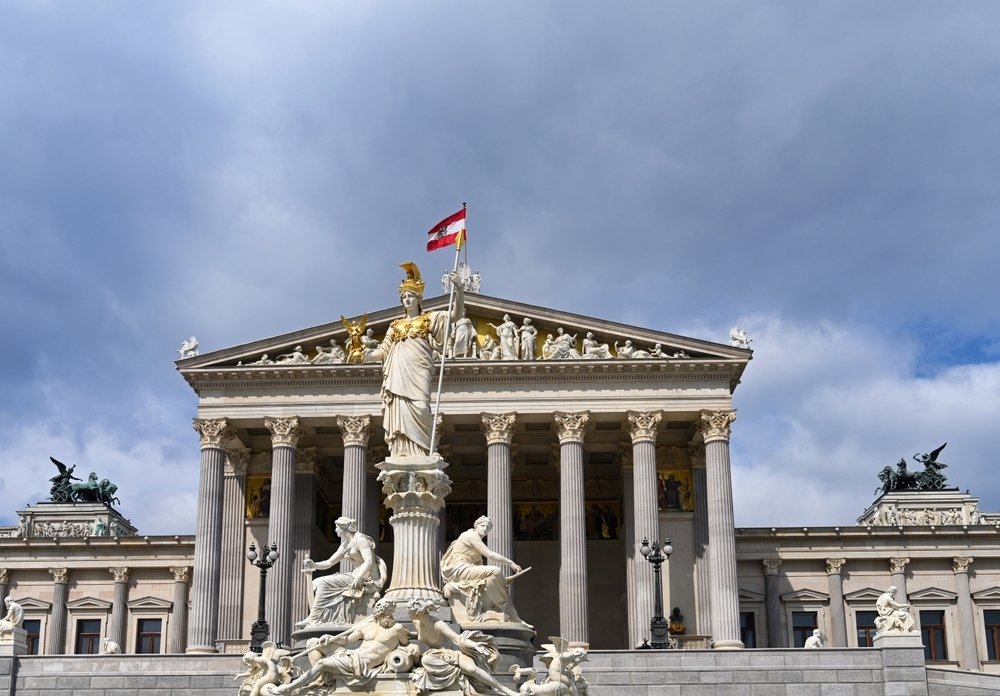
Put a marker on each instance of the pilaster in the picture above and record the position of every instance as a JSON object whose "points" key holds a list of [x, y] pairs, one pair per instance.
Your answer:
{"points": [[838, 620], [57, 625], [179, 611], [499, 503], [119, 606], [645, 516], [897, 566], [285, 434], [966, 613], [772, 603]]}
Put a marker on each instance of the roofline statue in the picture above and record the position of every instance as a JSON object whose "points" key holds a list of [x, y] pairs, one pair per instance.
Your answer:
{"points": [[92, 490], [903, 479]]}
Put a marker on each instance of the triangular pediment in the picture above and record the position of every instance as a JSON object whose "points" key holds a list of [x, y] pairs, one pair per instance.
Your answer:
{"points": [[89, 603], [750, 597], [301, 350], [150, 603], [30, 603], [868, 594], [805, 596], [931, 594], [990, 594]]}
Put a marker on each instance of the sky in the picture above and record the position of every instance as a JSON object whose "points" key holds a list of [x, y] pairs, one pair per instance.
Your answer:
{"points": [[825, 175]]}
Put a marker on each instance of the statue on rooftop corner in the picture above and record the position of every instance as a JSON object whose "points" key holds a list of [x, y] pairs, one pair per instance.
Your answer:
{"points": [[189, 348], [481, 590], [407, 356], [893, 617], [341, 598], [902, 479], [739, 338], [90, 491]]}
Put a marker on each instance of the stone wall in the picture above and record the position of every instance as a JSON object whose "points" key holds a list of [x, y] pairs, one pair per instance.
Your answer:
{"points": [[948, 682], [121, 675]]}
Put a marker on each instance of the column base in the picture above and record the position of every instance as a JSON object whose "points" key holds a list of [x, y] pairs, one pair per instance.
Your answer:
{"points": [[728, 645], [202, 650]]}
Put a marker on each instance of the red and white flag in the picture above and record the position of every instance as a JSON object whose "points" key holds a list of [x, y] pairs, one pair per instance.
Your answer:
{"points": [[449, 231]]}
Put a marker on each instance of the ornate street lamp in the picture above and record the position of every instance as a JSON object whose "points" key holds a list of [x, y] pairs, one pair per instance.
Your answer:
{"points": [[658, 626], [259, 630]]}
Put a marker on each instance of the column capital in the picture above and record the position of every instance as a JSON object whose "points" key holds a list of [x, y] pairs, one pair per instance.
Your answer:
{"points": [[285, 432], [212, 431], [960, 564], [570, 426], [306, 460], [715, 425], [771, 566], [642, 425], [356, 430], [60, 575], [499, 427], [121, 573], [898, 565], [237, 461], [4, 576], [834, 565], [181, 573]]}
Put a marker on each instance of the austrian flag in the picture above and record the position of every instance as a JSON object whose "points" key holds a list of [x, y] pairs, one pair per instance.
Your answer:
{"points": [[449, 231]]}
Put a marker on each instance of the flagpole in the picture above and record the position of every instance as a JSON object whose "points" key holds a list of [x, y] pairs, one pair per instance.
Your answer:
{"points": [[447, 335]]}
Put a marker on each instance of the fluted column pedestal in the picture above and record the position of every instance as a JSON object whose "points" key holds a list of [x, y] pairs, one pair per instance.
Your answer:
{"points": [[772, 603], [233, 552], [499, 502], [119, 607], [966, 614], [57, 625], [285, 433], [838, 618], [722, 550], [645, 517], [208, 537], [573, 617], [415, 489], [179, 612]]}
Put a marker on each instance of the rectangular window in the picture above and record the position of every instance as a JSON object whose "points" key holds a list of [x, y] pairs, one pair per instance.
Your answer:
{"points": [[991, 617], [148, 640], [932, 629], [865, 623], [34, 630], [803, 625], [748, 631], [88, 636]]}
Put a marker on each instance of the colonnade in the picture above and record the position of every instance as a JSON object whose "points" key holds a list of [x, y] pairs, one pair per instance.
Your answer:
{"points": [[215, 603]]}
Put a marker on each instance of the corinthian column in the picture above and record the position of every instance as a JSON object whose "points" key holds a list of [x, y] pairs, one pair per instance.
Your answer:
{"points": [[702, 572], [772, 603], [285, 433], [357, 431], [966, 615], [57, 627], [119, 607], [179, 612], [838, 637], [233, 554], [722, 550], [208, 537], [897, 566], [499, 504], [306, 463], [645, 518], [573, 623]]}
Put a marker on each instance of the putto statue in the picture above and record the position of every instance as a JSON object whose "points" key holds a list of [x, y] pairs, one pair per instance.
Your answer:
{"points": [[893, 617], [480, 590], [341, 598], [564, 676], [902, 479], [90, 491], [271, 668], [407, 356]]}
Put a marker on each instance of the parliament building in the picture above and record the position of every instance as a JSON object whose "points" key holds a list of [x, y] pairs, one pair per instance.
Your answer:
{"points": [[579, 438]]}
